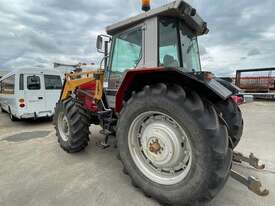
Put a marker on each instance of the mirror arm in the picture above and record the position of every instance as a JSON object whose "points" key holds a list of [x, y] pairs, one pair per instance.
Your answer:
{"points": [[99, 51], [104, 59], [105, 53]]}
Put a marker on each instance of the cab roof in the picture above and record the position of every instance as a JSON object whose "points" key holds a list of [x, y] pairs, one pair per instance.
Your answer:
{"points": [[177, 9]]}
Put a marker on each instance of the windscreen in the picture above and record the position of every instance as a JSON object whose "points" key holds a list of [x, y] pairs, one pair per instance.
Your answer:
{"points": [[127, 50], [127, 53]]}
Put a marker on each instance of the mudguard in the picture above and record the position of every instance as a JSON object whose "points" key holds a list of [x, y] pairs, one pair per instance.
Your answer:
{"points": [[202, 82], [233, 88]]}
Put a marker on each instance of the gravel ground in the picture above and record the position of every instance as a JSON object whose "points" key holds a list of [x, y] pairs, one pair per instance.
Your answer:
{"points": [[36, 171]]}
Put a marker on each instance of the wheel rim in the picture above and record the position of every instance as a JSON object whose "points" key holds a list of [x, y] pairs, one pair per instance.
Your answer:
{"points": [[160, 148], [63, 126]]}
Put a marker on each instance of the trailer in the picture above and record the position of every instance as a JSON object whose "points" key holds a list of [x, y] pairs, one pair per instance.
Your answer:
{"points": [[257, 82]]}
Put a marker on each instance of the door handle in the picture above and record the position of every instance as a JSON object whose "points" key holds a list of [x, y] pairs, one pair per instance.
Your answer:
{"points": [[40, 97]]}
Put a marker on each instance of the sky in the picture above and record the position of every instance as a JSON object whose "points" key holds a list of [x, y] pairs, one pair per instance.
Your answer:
{"points": [[36, 33]]}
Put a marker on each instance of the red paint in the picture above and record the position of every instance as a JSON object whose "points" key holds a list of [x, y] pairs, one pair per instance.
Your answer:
{"points": [[89, 102], [238, 99], [88, 86], [128, 80]]}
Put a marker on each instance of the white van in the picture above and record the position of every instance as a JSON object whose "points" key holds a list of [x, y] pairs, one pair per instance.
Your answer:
{"points": [[30, 93]]}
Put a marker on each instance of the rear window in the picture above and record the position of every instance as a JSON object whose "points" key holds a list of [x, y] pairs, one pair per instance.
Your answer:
{"points": [[33, 82], [21, 82], [52, 82]]}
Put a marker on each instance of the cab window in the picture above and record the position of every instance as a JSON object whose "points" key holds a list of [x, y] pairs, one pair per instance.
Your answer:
{"points": [[168, 43], [190, 50], [127, 51]]}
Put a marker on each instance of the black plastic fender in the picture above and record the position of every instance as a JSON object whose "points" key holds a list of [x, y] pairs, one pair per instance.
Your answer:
{"points": [[203, 83]]}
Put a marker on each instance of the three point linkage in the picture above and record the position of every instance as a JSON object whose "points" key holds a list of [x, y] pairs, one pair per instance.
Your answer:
{"points": [[252, 183]]}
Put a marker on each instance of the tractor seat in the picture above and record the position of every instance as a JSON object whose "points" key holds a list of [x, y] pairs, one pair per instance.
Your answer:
{"points": [[169, 61]]}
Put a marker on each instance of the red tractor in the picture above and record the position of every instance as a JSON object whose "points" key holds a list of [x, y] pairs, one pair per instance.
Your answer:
{"points": [[176, 126]]}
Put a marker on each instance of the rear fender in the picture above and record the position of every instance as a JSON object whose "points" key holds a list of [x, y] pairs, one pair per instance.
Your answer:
{"points": [[136, 79]]}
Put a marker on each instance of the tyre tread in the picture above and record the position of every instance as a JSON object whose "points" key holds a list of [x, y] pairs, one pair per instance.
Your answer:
{"points": [[79, 126]]}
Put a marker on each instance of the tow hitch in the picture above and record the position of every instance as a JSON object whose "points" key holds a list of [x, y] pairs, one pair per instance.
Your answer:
{"points": [[252, 183]]}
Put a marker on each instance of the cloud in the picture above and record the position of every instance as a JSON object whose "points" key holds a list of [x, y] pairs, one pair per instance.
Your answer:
{"points": [[253, 52], [42, 32], [203, 50], [269, 34], [236, 29]]}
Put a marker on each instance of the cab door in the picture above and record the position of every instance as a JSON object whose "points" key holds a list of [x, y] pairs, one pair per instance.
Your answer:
{"points": [[127, 54], [34, 93]]}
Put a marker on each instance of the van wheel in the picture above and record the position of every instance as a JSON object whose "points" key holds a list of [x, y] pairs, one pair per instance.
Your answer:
{"points": [[2, 110], [72, 126], [12, 117]]}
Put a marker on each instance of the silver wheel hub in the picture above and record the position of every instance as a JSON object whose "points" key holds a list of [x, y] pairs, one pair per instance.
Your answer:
{"points": [[160, 148], [63, 126]]}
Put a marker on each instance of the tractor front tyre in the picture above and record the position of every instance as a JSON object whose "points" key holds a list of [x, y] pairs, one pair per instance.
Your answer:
{"points": [[71, 125], [231, 113], [173, 145]]}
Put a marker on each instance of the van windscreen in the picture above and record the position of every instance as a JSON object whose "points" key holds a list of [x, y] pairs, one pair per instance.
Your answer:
{"points": [[52, 82]]}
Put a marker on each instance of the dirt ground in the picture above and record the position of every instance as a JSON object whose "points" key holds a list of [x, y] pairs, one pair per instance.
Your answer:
{"points": [[35, 171]]}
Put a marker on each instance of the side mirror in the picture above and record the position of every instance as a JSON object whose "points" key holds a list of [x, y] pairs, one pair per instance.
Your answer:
{"points": [[99, 43], [102, 43]]}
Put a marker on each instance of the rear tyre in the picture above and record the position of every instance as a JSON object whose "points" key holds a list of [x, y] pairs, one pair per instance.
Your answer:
{"points": [[232, 115], [71, 125], [12, 117], [173, 145], [2, 110]]}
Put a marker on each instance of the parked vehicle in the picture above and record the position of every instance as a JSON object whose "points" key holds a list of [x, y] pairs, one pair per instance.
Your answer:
{"points": [[30, 93], [176, 126]]}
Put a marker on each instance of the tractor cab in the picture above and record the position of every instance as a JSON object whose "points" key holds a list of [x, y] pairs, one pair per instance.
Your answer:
{"points": [[165, 37]]}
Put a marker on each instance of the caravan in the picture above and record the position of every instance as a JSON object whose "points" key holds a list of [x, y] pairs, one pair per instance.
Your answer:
{"points": [[30, 93]]}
